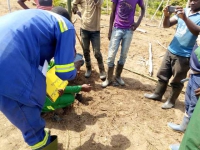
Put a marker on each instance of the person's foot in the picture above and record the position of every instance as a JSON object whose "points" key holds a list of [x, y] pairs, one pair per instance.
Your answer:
{"points": [[88, 73], [79, 97], [175, 127]]}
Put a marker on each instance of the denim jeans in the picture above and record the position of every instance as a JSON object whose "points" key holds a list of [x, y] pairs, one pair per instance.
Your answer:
{"points": [[125, 37], [190, 97], [94, 37]]}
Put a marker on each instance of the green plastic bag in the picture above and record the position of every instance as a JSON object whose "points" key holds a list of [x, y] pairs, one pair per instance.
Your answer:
{"points": [[191, 139]]}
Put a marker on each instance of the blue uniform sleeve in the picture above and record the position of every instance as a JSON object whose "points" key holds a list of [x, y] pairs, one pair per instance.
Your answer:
{"points": [[65, 51]]}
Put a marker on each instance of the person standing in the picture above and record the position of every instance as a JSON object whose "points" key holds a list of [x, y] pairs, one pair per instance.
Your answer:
{"points": [[29, 39], [122, 26], [90, 32], [41, 4], [176, 60]]}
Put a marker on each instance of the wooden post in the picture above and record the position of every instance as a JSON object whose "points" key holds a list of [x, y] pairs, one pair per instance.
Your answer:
{"points": [[146, 8], [69, 8], [157, 9], [187, 4], [107, 7], [163, 15], [8, 3], [150, 61]]}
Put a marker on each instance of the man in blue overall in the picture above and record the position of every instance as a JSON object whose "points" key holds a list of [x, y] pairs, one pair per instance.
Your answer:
{"points": [[28, 39]]}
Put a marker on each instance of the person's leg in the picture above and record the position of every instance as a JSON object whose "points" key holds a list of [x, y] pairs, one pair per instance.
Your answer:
{"points": [[115, 40], [180, 67], [85, 36], [188, 95], [30, 124], [126, 41], [63, 101], [191, 136], [164, 74], [195, 84], [95, 39]]}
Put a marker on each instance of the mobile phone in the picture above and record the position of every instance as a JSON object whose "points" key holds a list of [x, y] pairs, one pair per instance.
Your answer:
{"points": [[171, 9]]}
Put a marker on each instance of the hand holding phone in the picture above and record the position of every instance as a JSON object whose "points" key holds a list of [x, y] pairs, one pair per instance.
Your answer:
{"points": [[171, 9]]}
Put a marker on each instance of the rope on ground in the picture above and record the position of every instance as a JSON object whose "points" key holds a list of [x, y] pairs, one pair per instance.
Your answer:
{"points": [[148, 77]]}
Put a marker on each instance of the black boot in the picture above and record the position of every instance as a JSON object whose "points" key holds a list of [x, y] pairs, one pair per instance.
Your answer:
{"points": [[102, 72], [109, 77], [118, 74], [170, 103], [53, 145], [159, 91], [88, 69]]}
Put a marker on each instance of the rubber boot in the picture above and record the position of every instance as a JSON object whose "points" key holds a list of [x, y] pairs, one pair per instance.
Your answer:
{"points": [[118, 74], [109, 77], [102, 72], [88, 69], [53, 145], [174, 146], [180, 128], [159, 91], [170, 103]]}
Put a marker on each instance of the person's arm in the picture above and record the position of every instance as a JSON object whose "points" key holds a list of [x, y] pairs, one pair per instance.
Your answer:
{"points": [[22, 4], [197, 92], [194, 29], [65, 50], [112, 18], [168, 22], [135, 25], [78, 88], [75, 9]]}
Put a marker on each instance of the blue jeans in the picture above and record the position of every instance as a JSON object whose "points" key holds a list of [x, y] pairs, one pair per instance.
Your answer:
{"points": [[94, 37], [125, 37], [190, 97]]}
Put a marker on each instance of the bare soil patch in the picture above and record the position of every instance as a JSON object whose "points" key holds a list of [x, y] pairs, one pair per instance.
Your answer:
{"points": [[114, 118]]}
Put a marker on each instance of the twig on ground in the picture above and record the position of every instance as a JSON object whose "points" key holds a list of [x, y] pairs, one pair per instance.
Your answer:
{"points": [[161, 44], [150, 25], [141, 30], [150, 60]]}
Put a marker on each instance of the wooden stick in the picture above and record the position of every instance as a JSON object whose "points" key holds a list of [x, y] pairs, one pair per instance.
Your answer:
{"points": [[150, 25], [150, 60], [157, 10], [8, 3], [161, 44], [148, 77], [141, 30], [79, 41], [146, 8]]}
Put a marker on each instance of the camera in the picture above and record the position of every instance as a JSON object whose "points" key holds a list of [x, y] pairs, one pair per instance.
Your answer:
{"points": [[171, 9]]}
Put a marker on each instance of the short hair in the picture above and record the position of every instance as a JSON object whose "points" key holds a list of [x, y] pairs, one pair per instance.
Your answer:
{"points": [[61, 11]]}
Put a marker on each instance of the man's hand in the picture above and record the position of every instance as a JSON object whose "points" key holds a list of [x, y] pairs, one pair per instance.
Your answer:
{"points": [[197, 92], [166, 12], [109, 35], [86, 87], [78, 64], [60, 92], [180, 12], [79, 13], [134, 26]]}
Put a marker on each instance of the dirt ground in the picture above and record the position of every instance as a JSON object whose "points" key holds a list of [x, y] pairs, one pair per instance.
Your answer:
{"points": [[116, 117]]}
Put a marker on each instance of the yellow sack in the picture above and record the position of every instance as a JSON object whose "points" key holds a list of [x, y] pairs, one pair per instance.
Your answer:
{"points": [[54, 83]]}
